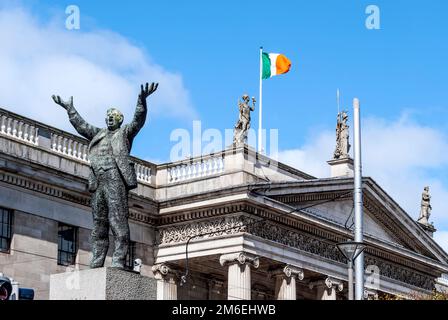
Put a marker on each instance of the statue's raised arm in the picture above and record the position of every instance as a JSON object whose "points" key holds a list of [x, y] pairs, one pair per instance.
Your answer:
{"points": [[253, 104], [85, 129], [141, 110]]}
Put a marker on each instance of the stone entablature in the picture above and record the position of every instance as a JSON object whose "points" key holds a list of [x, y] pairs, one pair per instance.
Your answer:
{"points": [[322, 245], [293, 220], [73, 196]]}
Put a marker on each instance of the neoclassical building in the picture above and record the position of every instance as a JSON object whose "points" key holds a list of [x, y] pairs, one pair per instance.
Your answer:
{"points": [[252, 227]]}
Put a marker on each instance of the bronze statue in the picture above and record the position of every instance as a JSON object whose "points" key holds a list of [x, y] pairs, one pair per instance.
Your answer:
{"points": [[242, 126], [112, 175]]}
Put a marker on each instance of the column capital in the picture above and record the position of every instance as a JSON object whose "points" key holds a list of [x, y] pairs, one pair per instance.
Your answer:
{"points": [[287, 271], [240, 258], [161, 270], [370, 294], [329, 283]]}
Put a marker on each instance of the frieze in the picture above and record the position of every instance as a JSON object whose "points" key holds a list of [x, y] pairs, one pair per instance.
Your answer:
{"points": [[203, 229], [401, 273]]}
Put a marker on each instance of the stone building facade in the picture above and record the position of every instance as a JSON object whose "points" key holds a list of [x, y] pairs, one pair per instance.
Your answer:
{"points": [[253, 228]]}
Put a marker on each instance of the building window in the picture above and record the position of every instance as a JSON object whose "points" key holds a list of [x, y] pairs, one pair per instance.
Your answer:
{"points": [[5, 229], [130, 256], [67, 244]]}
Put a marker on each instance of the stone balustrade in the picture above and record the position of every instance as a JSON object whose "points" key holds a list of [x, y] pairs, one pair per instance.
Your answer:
{"points": [[143, 172], [57, 141], [19, 128], [73, 147], [197, 168], [69, 147]]}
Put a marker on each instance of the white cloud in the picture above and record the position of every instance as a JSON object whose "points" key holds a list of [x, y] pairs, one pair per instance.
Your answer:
{"points": [[312, 157], [442, 238], [402, 156], [99, 68]]}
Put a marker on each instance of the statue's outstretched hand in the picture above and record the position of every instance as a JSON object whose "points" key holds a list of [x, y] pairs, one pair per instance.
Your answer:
{"points": [[62, 103], [148, 90]]}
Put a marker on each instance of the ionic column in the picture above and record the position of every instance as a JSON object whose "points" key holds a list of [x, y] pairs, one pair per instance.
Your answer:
{"points": [[239, 279], [166, 282], [326, 289], [285, 282]]}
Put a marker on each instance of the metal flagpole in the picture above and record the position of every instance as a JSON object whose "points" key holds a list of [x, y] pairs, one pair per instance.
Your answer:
{"points": [[260, 135], [357, 199]]}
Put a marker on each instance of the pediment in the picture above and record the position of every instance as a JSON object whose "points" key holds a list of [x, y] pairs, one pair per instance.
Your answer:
{"points": [[384, 220], [342, 213]]}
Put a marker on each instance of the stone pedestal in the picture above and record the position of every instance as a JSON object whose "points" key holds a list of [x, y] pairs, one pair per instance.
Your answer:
{"points": [[429, 228], [341, 167], [101, 284], [285, 282], [239, 278]]}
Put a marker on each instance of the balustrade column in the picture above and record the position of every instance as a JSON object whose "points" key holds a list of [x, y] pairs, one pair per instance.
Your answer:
{"points": [[239, 277]]}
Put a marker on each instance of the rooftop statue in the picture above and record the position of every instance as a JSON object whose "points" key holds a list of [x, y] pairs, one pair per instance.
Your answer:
{"points": [[425, 208], [342, 136], [112, 175], [242, 126]]}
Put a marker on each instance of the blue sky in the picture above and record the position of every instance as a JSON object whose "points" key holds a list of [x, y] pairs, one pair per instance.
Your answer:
{"points": [[214, 46], [209, 49]]}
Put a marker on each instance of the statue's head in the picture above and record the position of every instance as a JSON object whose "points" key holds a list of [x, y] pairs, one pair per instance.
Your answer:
{"points": [[245, 97], [426, 188], [114, 119]]}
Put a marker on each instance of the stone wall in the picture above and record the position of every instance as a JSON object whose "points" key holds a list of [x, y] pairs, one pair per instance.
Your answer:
{"points": [[34, 252], [33, 255]]}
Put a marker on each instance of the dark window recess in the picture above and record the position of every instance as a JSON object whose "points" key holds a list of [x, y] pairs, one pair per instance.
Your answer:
{"points": [[67, 244], [5, 229], [130, 256]]}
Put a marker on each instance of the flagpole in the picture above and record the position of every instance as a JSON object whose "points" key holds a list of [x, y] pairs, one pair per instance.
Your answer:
{"points": [[260, 135]]}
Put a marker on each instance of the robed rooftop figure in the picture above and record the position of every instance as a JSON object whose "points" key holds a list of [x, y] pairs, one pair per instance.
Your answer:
{"points": [[112, 175]]}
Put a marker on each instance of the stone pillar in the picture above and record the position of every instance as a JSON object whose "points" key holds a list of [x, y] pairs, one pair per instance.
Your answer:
{"points": [[166, 282], [285, 282], [326, 289], [239, 279]]}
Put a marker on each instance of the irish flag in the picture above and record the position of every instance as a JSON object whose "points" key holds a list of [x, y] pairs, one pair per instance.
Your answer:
{"points": [[274, 64]]}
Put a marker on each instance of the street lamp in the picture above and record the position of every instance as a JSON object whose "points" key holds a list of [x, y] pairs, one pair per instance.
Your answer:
{"points": [[350, 250]]}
